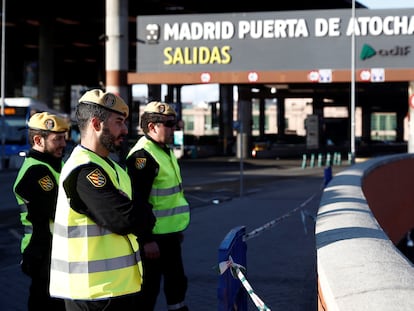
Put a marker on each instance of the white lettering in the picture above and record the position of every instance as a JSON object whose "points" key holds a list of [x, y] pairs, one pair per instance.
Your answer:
{"points": [[208, 31], [227, 30], [270, 29], [410, 28], [362, 26], [244, 28], [400, 25], [330, 27], [291, 23], [171, 31], [351, 27], [280, 29], [196, 31], [288, 28], [334, 27], [185, 33], [301, 29], [321, 27], [256, 29], [388, 25], [376, 26]]}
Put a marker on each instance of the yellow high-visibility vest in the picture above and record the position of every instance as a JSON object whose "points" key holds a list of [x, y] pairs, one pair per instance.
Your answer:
{"points": [[28, 227], [88, 261], [170, 207]]}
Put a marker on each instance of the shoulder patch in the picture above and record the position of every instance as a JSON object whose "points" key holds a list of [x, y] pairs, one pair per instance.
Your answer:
{"points": [[46, 183], [140, 163], [97, 178]]}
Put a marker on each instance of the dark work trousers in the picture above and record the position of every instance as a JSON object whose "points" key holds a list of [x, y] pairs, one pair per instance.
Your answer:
{"points": [[124, 303], [170, 268], [37, 265], [39, 298]]}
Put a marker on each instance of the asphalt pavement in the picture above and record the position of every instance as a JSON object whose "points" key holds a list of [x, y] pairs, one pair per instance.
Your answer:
{"points": [[277, 198]]}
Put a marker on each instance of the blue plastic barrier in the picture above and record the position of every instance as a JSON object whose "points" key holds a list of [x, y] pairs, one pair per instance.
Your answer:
{"points": [[230, 292]]}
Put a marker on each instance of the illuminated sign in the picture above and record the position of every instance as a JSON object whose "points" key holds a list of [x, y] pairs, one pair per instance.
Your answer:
{"points": [[9, 111], [269, 41]]}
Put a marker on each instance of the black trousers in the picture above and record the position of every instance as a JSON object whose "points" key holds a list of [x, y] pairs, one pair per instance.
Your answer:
{"points": [[36, 265], [169, 267], [124, 303], [39, 298]]}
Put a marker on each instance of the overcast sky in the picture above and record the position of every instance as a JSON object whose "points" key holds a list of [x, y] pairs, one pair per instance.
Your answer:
{"points": [[387, 4]]}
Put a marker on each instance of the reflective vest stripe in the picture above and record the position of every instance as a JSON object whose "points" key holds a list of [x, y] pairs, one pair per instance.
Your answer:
{"points": [[166, 191], [80, 231], [172, 212], [23, 207], [94, 266]]}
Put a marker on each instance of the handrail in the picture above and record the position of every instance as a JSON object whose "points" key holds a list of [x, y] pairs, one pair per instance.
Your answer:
{"points": [[358, 266]]}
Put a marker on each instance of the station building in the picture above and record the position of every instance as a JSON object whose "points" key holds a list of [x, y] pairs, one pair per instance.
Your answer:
{"points": [[346, 64], [319, 73]]}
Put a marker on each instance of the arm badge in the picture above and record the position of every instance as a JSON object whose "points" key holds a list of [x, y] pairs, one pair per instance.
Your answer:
{"points": [[140, 163], [96, 178], [46, 183]]}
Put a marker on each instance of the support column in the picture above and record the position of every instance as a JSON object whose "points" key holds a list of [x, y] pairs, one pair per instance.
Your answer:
{"points": [[116, 47], [400, 126], [401, 111], [244, 114], [411, 117], [177, 102], [154, 92], [366, 123], [226, 117], [46, 62], [281, 125], [262, 118], [173, 97], [169, 97], [318, 111]]}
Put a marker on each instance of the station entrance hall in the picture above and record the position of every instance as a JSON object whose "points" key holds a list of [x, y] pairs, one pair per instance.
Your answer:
{"points": [[329, 64]]}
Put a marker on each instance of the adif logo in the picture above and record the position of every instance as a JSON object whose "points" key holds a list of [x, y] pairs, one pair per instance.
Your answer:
{"points": [[368, 51], [152, 33]]}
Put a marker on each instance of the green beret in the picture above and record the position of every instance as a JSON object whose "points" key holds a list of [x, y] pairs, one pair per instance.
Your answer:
{"points": [[48, 122], [105, 99]]}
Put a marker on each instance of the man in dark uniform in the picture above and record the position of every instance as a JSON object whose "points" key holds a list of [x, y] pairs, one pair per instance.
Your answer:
{"points": [[36, 188], [156, 179], [95, 261]]}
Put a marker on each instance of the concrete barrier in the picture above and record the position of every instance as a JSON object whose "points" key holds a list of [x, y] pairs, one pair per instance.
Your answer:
{"points": [[364, 211]]}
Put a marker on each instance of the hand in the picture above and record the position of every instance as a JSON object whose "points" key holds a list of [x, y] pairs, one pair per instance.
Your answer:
{"points": [[151, 250]]}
